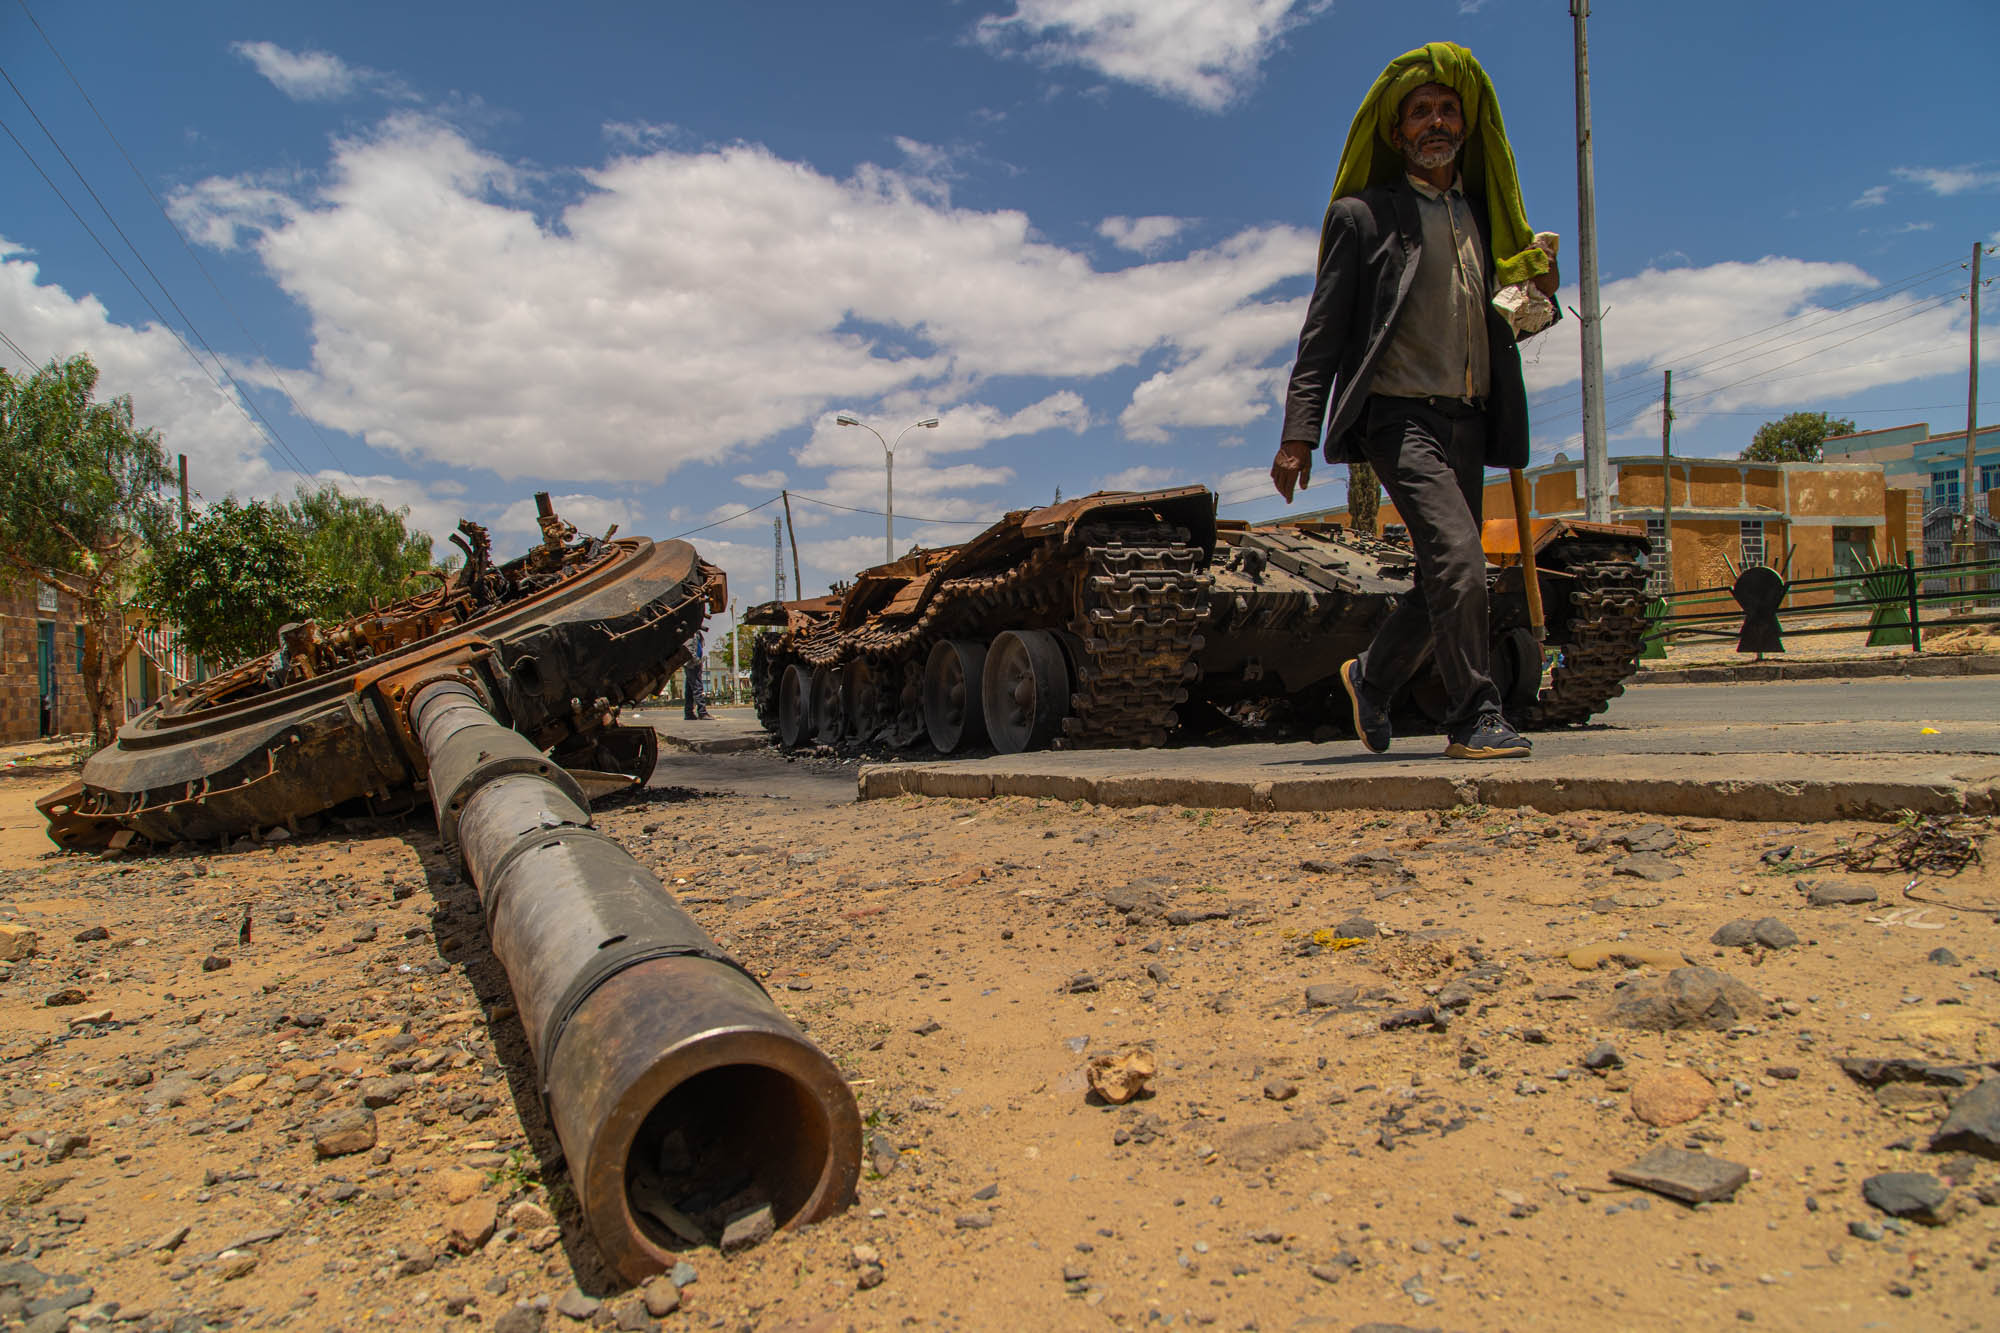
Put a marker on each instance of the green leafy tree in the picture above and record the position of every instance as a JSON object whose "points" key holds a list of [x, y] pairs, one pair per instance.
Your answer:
{"points": [[364, 552], [1795, 438], [237, 574], [81, 504]]}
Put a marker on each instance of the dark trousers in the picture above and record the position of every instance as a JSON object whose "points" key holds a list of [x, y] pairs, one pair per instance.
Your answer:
{"points": [[691, 687], [1430, 455]]}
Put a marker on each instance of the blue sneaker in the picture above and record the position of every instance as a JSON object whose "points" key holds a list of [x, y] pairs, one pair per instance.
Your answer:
{"points": [[1371, 718]]}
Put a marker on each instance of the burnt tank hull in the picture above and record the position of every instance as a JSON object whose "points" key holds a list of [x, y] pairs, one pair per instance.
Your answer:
{"points": [[558, 642], [1125, 618]]}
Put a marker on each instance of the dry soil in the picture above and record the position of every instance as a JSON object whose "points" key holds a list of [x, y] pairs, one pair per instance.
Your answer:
{"points": [[1422, 1144]]}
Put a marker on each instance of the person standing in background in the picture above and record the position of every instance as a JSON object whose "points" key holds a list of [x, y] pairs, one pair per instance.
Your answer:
{"points": [[695, 705]]}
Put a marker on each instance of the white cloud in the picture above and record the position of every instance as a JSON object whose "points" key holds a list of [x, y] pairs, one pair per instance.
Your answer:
{"points": [[1770, 333], [1144, 236], [454, 321], [1140, 478], [1872, 197], [311, 76], [1949, 181], [1203, 52], [169, 392], [761, 481], [644, 135]]}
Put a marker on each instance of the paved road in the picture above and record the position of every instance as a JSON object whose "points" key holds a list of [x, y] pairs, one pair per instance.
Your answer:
{"points": [[1881, 716]]}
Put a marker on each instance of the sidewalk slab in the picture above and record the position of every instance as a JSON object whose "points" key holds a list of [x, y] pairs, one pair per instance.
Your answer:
{"points": [[1854, 668], [1335, 776]]}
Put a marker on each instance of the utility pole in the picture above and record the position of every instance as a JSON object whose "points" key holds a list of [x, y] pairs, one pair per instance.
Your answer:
{"points": [[1596, 461], [1667, 486], [184, 479], [798, 583], [1971, 414], [732, 650]]}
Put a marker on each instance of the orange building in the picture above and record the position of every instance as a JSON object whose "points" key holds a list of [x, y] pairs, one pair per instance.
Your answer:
{"points": [[1810, 520]]}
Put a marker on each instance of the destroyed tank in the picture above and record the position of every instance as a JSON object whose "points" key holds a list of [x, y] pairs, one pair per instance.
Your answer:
{"points": [[557, 640], [1123, 618], [671, 1080]]}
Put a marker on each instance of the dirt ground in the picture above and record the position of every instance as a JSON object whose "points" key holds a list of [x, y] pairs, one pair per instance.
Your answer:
{"points": [[1421, 1143]]}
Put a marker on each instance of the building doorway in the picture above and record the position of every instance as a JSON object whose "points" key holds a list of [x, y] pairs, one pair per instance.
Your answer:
{"points": [[45, 674]]}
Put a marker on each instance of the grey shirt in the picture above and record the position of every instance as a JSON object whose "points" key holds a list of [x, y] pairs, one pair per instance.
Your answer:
{"points": [[1439, 348]]}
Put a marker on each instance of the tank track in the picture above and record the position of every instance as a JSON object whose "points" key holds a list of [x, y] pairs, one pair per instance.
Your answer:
{"points": [[1141, 598], [1606, 630]]}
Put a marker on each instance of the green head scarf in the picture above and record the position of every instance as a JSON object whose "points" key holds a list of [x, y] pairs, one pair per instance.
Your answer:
{"points": [[1486, 162]]}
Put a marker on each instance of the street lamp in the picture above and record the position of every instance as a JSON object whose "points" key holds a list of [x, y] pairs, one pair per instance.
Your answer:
{"points": [[889, 469]]}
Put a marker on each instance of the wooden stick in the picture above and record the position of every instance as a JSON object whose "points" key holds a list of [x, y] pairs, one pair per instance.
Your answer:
{"points": [[1529, 579]]}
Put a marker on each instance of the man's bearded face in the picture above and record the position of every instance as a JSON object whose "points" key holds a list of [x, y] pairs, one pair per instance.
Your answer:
{"points": [[1430, 127]]}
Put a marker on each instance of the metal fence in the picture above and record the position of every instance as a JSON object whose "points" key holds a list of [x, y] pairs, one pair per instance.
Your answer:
{"points": [[1900, 602]]}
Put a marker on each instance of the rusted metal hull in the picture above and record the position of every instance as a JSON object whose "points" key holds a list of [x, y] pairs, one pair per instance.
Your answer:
{"points": [[1122, 617], [652, 1043], [231, 756]]}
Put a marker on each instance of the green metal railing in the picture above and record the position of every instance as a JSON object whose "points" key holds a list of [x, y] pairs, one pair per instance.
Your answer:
{"points": [[1894, 597]]}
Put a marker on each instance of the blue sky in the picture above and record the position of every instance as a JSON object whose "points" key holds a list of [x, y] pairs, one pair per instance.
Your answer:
{"points": [[640, 255]]}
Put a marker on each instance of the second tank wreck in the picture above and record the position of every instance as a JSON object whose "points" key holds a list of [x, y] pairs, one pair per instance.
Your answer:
{"points": [[1121, 618]]}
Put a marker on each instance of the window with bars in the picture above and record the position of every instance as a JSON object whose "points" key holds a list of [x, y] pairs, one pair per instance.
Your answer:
{"points": [[1659, 578], [1944, 489], [1989, 481], [45, 597], [1752, 537]]}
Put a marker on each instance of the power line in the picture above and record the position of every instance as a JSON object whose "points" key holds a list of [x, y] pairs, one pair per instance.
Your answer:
{"points": [[269, 429], [188, 246], [28, 362], [294, 464], [720, 521], [955, 522]]}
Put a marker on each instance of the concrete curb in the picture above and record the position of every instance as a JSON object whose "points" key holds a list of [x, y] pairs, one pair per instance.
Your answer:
{"points": [[1739, 797], [1865, 668]]}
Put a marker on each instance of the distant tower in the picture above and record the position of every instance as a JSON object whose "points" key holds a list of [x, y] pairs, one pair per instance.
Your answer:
{"points": [[778, 558]]}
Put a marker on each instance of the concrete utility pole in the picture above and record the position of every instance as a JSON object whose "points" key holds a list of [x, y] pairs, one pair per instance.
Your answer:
{"points": [[1971, 414], [1667, 485], [1596, 461], [732, 650]]}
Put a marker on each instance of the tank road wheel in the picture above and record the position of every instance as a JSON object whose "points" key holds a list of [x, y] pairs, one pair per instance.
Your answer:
{"points": [[952, 715], [867, 709], [794, 707], [1025, 690], [829, 709], [1517, 670]]}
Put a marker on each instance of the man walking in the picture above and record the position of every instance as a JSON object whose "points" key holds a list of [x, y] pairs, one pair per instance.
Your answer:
{"points": [[1407, 366], [694, 704]]}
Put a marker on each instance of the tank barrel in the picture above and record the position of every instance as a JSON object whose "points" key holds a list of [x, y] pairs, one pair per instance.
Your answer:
{"points": [[667, 1071]]}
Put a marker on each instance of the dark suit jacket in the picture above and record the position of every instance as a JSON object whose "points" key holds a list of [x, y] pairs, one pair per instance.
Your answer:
{"points": [[1368, 247]]}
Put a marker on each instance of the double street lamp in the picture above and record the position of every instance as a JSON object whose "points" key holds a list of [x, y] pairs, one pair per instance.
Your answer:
{"points": [[889, 469]]}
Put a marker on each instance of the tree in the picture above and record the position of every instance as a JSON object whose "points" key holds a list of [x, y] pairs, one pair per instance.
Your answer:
{"points": [[80, 503], [1364, 498], [1795, 438], [365, 553], [233, 578]]}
